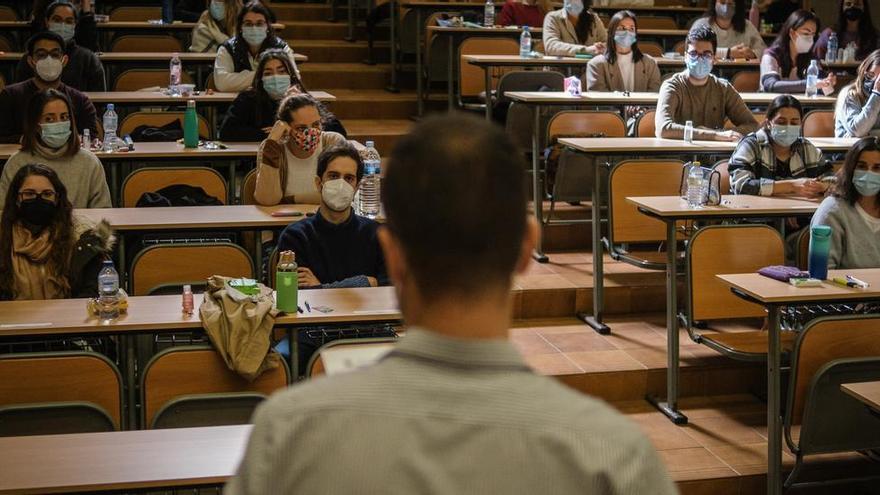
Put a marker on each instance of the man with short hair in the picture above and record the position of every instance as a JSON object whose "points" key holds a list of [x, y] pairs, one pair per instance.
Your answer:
{"points": [[695, 94], [453, 408], [83, 70], [45, 54]]}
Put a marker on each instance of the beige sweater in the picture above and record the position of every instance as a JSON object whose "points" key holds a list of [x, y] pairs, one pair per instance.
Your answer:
{"points": [[273, 169], [82, 174], [602, 75], [560, 38], [708, 106], [207, 36]]}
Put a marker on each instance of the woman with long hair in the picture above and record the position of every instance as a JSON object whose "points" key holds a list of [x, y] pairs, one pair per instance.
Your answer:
{"points": [[623, 67], [854, 25], [215, 25], [857, 113], [574, 29], [737, 38], [784, 64], [47, 252]]}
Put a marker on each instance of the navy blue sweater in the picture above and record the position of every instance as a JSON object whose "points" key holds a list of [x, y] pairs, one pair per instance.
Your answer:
{"points": [[341, 255]]}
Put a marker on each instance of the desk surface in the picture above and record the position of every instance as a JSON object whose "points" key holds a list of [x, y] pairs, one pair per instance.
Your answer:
{"points": [[642, 98], [161, 150], [769, 291], [158, 97], [867, 392], [195, 217], [733, 205], [146, 56], [128, 25], [516, 60], [122, 460], [660, 145]]}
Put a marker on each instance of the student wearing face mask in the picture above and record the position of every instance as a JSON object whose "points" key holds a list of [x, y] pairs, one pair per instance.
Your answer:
{"points": [[623, 67], [50, 138], [854, 25], [737, 38], [215, 25], [776, 160], [574, 29], [85, 32], [45, 54], [853, 209], [524, 13], [252, 113], [47, 251], [696, 95], [784, 64], [237, 57], [857, 113], [287, 158], [83, 70]]}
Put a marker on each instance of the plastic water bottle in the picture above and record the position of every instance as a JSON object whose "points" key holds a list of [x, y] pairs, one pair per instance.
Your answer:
{"points": [[108, 292], [525, 43], [111, 123], [812, 78], [689, 131], [174, 70], [86, 142], [695, 186], [371, 184], [489, 14], [755, 14], [831, 55]]}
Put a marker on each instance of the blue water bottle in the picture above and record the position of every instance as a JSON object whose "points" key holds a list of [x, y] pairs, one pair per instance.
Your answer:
{"points": [[820, 244]]}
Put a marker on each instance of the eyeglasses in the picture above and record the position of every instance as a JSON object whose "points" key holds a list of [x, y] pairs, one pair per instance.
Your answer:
{"points": [[698, 55], [42, 54], [28, 194]]}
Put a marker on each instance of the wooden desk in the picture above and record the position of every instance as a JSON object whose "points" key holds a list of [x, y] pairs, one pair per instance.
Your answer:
{"points": [[616, 98], [867, 392], [122, 460], [774, 294], [141, 98]]}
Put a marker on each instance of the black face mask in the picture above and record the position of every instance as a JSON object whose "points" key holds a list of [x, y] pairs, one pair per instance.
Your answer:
{"points": [[853, 13], [38, 211]]}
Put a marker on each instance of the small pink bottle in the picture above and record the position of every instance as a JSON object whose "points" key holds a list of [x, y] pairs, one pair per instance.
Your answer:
{"points": [[187, 300]]}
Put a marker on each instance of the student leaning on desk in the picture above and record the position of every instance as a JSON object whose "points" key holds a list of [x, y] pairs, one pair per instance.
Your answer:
{"points": [[215, 25], [574, 29]]}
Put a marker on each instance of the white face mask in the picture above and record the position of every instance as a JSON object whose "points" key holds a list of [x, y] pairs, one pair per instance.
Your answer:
{"points": [[49, 69], [337, 194], [803, 43]]}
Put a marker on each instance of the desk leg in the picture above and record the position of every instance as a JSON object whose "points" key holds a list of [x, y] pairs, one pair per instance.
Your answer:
{"points": [[537, 193], [122, 262], [670, 407], [114, 184], [450, 75], [595, 320], [129, 343], [488, 74], [231, 188], [258, 253], [350, 36], [392, 88], [774, 420], [420, 90], [293, 345]]}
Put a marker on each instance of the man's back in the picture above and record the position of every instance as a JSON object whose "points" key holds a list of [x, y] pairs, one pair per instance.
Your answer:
{"points": [[443, 415]]}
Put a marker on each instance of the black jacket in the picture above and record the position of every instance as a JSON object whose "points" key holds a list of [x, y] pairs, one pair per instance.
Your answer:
{"points": [[94, 245], [238, 49], [248, 115], [189, 10], [83, 71]]}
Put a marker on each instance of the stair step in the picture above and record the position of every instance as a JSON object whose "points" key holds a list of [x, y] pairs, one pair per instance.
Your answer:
{"points": [[339, 51], [293, 12], [352, 76], [318, 30], [369, 103], [384, 132]]}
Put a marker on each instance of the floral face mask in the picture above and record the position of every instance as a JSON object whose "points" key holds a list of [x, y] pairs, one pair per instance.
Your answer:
{"points": [[308, 139]]}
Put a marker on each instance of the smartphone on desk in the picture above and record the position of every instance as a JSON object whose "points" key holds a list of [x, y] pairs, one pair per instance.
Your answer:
{"points": [[287, 213]]}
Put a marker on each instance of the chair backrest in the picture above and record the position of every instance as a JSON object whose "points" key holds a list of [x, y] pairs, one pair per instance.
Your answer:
{"points": [[146, 43], [679, 47], [640, 178], [138, 79], [720, 249], [723, 169], [164, 265], [55, 418], [2, 82], [316, 364], [471, 79], [650, 48], [819, 123], [746, 81], [529, 80], [195, 373], [656, 22], [248, 186], [132, 13], [209, 83], [584, 123], [273, 264], [152, 179], [5, 45], [46, 379], [158, 119], [7, 14], [803, 249], [645, 124]]}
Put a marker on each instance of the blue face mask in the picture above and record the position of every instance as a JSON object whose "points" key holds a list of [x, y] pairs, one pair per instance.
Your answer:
{"points": [[62, 29], [724, 11], [785, 135], [699, 67], [574, 7], [276, 85], [55, 134], [218, 10], [254, 35], [867, 183], [625, 39]]}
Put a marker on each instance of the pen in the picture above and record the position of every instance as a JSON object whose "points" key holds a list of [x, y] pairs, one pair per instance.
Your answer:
{"points": [[859, 283], [299, 309], [844, 282], [308, 308]]}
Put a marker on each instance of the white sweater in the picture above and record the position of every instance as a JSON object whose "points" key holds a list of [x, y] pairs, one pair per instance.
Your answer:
{"points": [[82, 174]]}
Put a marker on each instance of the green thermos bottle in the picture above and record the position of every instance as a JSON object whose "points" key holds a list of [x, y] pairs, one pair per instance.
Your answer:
{"points": [[286, 283], [190, 126]]}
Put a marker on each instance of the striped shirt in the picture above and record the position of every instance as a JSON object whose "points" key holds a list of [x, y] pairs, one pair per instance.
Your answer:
{"points": [[445, 416], [754, 168]]}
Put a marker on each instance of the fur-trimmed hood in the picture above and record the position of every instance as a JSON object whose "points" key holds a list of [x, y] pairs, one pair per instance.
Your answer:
{"points": [[94, 234]]}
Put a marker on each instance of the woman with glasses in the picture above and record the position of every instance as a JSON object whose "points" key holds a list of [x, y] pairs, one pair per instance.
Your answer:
{"points": [[737, 37], [50, 138], [237, 57], [784, 65], [857, 113], [46, 251], [215, 25]]}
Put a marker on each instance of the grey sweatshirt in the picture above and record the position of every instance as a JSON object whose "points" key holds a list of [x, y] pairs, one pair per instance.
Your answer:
{"points": [[853, 243], [82, 174], [852, 118]]}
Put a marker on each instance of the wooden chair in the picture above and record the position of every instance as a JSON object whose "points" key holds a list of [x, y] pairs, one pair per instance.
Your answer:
{"points": [[5, 45], [718, 249], [138, 79], [248, 186], [154, 178], [209, 83], [146, 43], [190, 386], [471, 80], [645, 124], [651, 48], [722, 167], [316, 364], [2, 82], [829, 352], [8, 14], [59, 392], [679, 47], [657, 22], [803, 249], [819, 123], [158, 119], [746, 81], [137, 14], [172, 265]]}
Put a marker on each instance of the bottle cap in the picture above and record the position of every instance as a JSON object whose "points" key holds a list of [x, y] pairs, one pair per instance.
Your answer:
{"points": [[370, 144], [110, 106], [187, 288], [191, 104]]}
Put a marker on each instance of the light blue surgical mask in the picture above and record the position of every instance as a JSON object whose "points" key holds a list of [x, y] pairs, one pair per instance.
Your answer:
{"points": [[276, 85], [699, 67], [254, 35], [63, 29], [725, 11], [55, 134], [625, 39], [785, 135], [574, 7], [867, 183], [218, 10]]}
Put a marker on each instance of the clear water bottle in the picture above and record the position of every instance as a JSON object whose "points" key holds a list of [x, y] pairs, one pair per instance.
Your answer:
{"points": [[371, 184], [174, 69], [525, 43], [831, 54], [755, 14], [111, 123], [695, 186], [812, 78], [689, 131], [489, 14], [108, 291], [86, 142]]}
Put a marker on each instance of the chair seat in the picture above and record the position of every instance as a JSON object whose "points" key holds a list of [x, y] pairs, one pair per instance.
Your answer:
{"points": [[746, 345]]}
